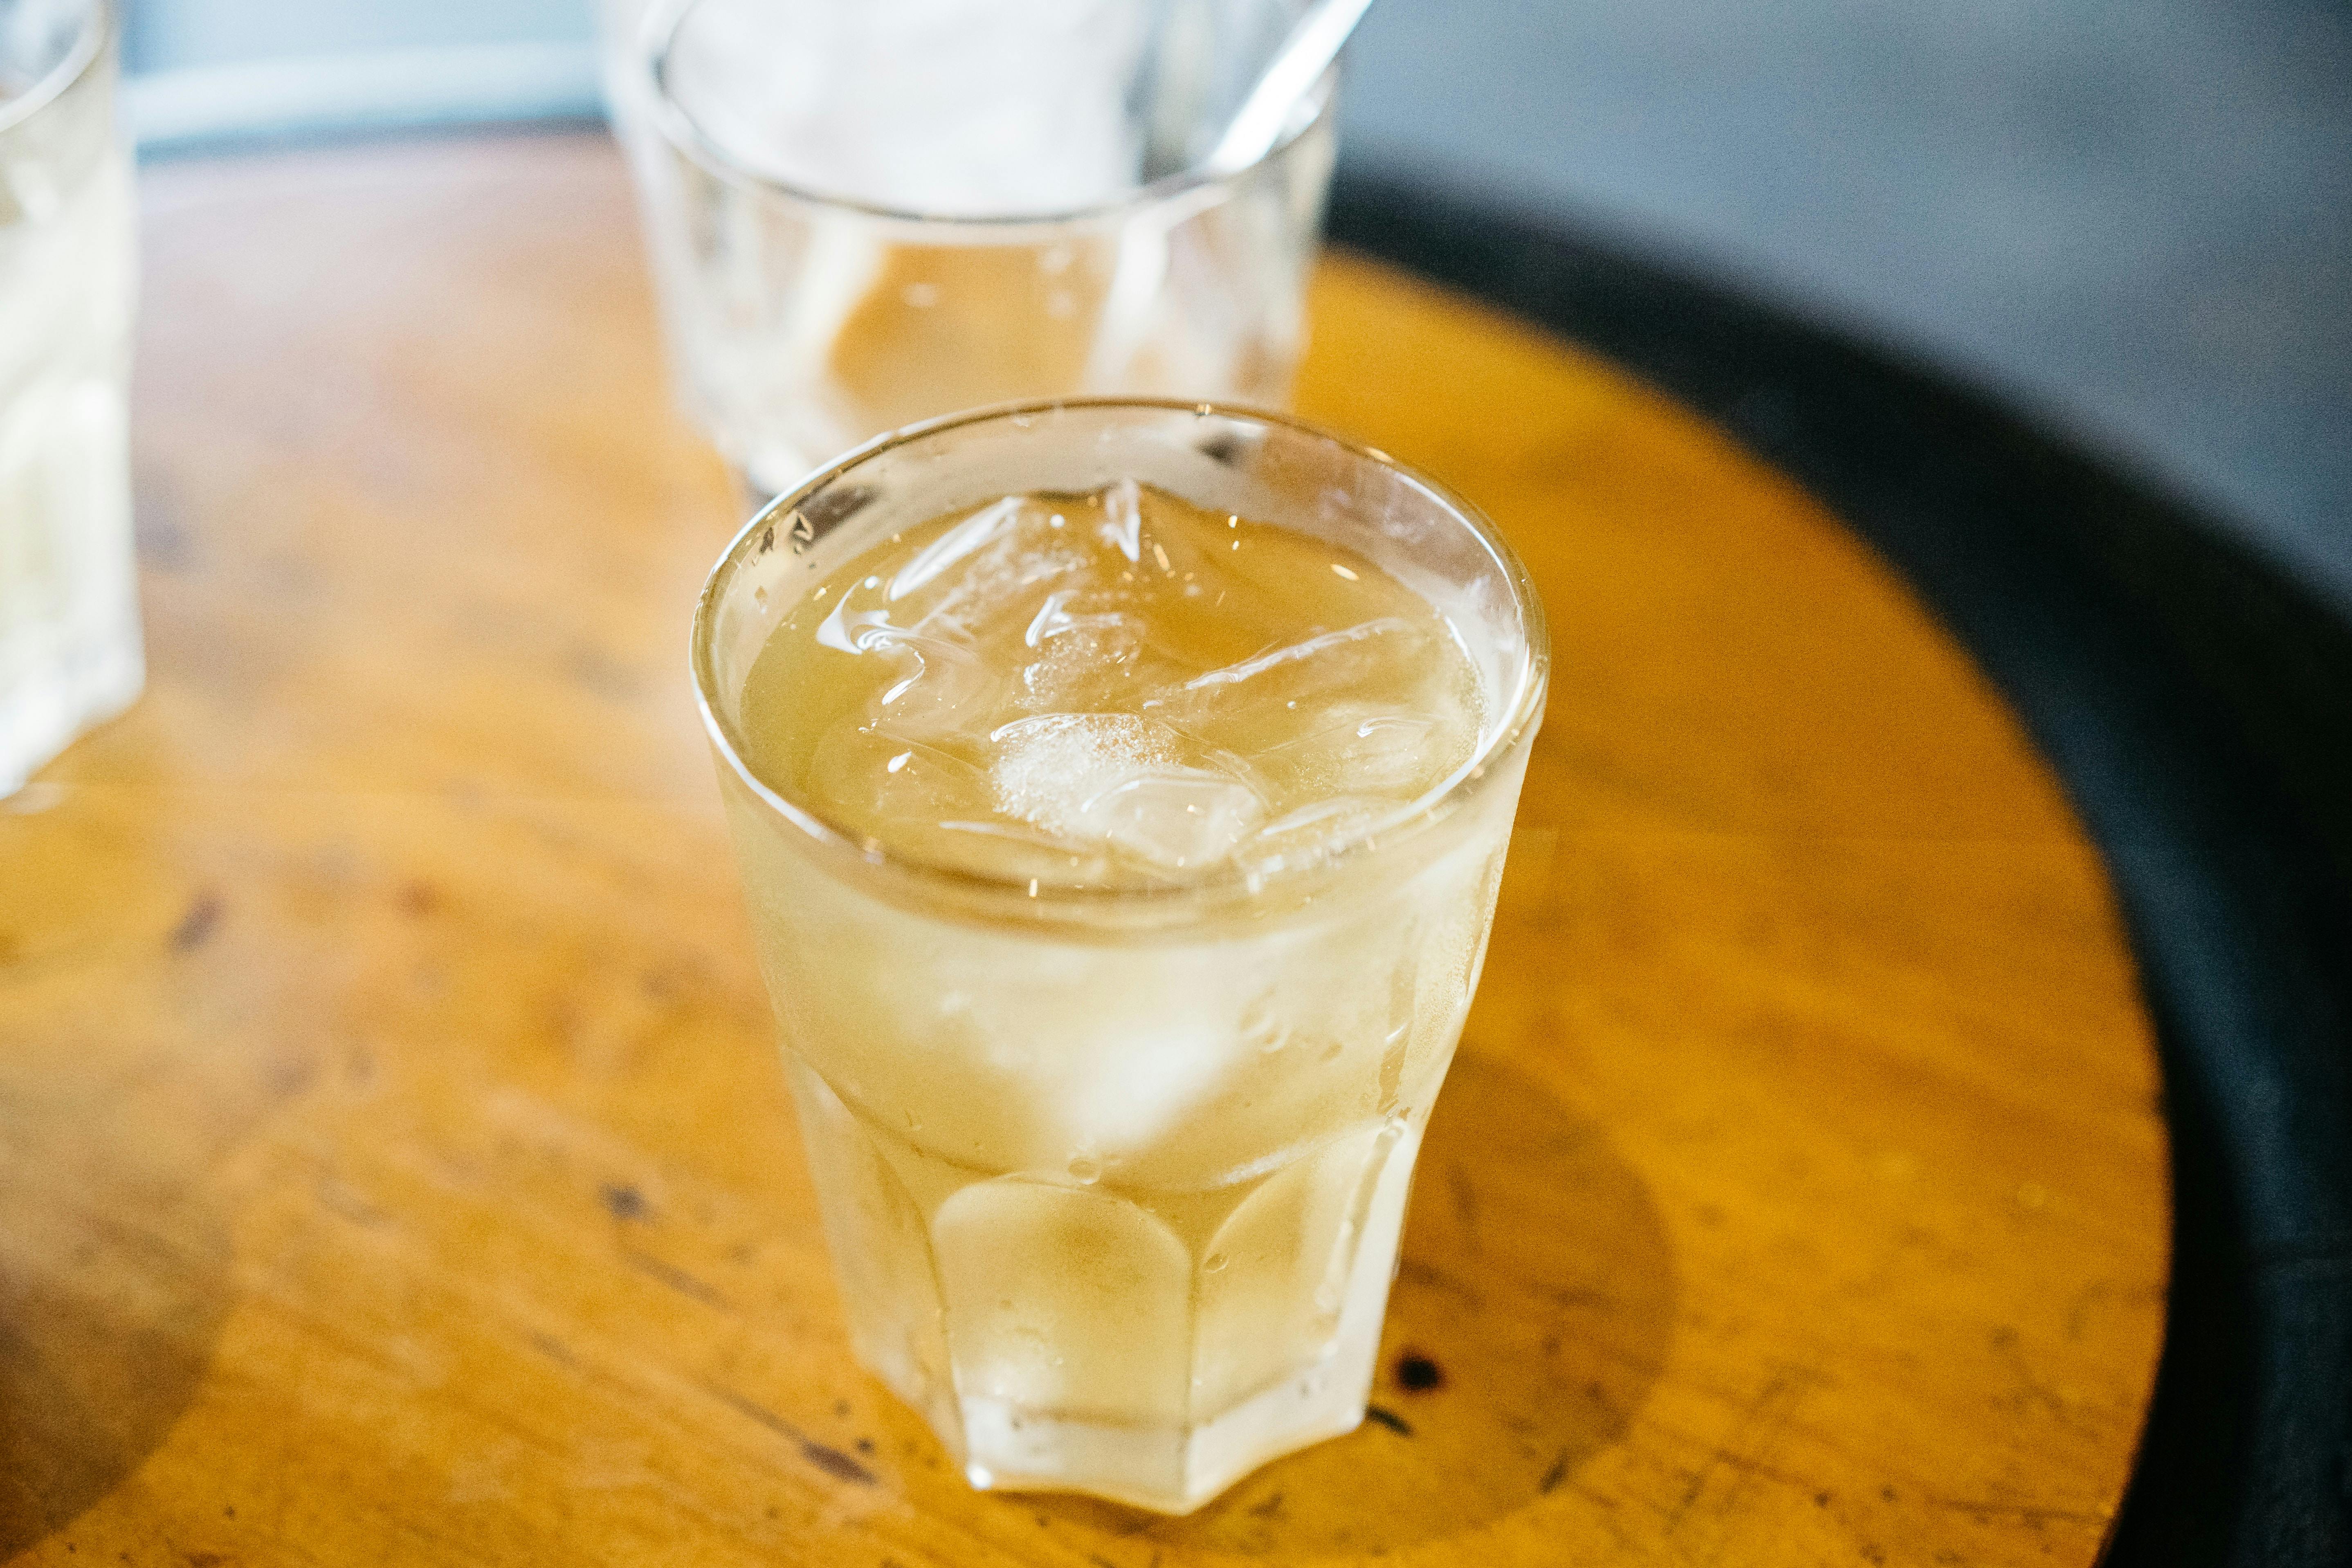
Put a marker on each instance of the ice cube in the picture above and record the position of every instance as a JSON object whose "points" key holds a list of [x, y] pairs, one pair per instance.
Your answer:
{"points": [[944, 688], [1363, 750], [1359, 711], [943, 682], [1097, 663], [964, 107], [887, 788], [1123, 781], [1177, 818], [1318, 663], [1055, 618], [966, 537], [1116, 1077], [979, 582], [1314, 828]]}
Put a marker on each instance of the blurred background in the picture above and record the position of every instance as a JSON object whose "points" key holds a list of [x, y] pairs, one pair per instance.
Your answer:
{"points": [[2131, 221]]}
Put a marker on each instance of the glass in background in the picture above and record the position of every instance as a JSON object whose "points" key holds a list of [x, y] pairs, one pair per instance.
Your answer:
{"points": [[861, 216], [69, 648]]}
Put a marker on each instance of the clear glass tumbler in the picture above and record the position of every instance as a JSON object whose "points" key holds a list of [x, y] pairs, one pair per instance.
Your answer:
{"points": [[1113, 1177], [862, 215], [69, 648]]}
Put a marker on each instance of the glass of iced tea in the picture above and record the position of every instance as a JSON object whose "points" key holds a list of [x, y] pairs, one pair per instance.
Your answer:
{"points": [[861, 216], [1121, 790], [69, 646]]}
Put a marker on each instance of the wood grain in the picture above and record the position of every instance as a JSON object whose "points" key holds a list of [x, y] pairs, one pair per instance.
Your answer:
{"points": [[395, 1167]]}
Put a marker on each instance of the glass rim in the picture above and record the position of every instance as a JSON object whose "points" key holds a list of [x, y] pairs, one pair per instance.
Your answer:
{"points": [[1410, 821], [89, 46], [683, 132]]}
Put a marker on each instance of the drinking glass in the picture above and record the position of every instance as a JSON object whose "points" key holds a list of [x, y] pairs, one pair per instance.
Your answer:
{"points": [[69, 648], [860, 216], [1113, 1176]]}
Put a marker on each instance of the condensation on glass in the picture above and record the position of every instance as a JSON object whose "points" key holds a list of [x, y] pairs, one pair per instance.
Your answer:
{"points": [[863, 215], [1113, 1177], [69, 646]]}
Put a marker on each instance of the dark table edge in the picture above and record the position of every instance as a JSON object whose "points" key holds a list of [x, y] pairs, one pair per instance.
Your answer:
{"points": [[2196, 704]]}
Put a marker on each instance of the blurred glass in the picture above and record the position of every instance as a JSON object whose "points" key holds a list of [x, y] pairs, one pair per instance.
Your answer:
{"points": [[69, 647], [861, 216]]}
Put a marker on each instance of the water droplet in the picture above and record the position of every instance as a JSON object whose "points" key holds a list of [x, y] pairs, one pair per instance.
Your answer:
{"points": [[1263, 1027], [1086, 1168], [1214, 1263]]}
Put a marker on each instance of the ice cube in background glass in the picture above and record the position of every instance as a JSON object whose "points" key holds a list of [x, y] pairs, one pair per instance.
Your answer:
{"points": [[949, 108], [69, 646]]}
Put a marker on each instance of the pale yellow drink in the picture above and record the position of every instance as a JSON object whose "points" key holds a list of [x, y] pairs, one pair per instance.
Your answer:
{"points": [[1143, 865]]}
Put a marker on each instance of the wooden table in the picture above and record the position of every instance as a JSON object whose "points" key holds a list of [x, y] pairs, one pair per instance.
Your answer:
{"points": [[394, 1165]]}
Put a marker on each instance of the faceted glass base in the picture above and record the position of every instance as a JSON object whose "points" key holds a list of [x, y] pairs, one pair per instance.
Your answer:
{"points": [[1148, 1348]]}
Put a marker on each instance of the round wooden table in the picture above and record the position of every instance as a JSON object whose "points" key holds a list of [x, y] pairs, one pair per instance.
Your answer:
{"points": [[394, 1165]]}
